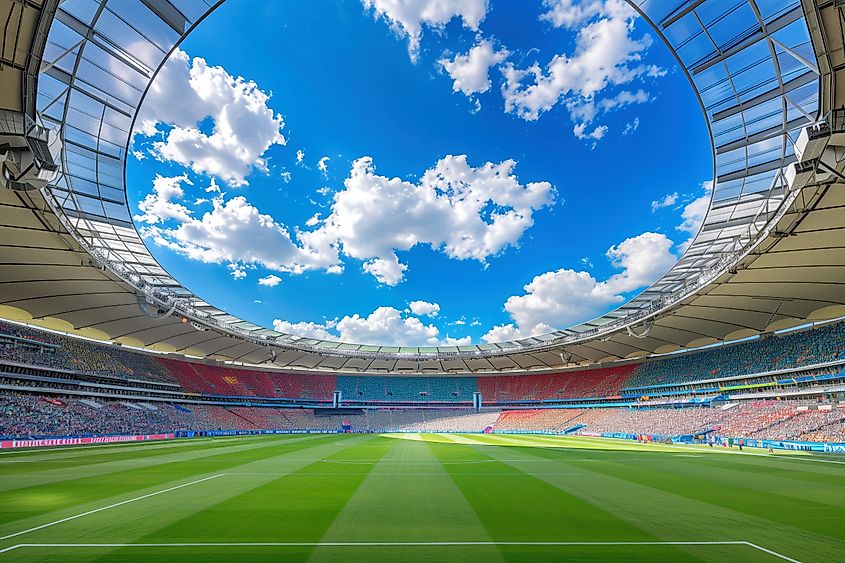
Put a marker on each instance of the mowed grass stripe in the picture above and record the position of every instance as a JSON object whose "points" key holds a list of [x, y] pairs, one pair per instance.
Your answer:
{"points": [[765, 500], [525, 508], [168, 516], [669, 515], [750, 478], [399, 502], [32, 505], [286, 506], [56, 472], [94, 459]]}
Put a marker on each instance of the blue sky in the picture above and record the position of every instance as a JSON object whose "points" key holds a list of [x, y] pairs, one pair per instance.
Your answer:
{"points": [[382, 174]]}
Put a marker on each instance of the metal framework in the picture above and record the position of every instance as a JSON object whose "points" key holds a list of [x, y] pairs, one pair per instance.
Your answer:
{"points": [[762, 71]]}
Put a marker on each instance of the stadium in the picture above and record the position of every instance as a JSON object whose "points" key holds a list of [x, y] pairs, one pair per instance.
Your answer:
{"points": [[702, 418]]}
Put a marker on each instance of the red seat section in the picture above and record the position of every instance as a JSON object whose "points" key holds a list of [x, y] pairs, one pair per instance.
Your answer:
{"points": [[220, 380], [571, 384], [303, 386]]}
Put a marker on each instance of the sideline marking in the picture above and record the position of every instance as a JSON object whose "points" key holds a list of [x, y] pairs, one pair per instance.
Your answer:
{"points": [[387, 474], [102, 508], [400, 544]]}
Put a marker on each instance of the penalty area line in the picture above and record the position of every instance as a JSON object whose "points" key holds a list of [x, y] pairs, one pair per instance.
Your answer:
{"points": [[102, 508], [400, 544]]}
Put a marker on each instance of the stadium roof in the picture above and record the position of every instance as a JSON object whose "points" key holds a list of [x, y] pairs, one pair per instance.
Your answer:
{"points": [[768, 255]]}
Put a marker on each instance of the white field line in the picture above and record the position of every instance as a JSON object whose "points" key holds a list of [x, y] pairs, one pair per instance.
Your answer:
{"points": [[102, 508], [399, 544], [389, 474]]}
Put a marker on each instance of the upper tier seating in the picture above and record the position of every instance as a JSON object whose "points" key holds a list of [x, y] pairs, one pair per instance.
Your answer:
{"points": [[406, 388], [218, 380], [823, 344], [586, 383]]}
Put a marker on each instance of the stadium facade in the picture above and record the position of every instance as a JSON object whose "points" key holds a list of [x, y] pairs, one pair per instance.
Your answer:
{"points": [[769, 254]]}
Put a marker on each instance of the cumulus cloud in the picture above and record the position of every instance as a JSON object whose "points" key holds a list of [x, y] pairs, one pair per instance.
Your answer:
{"points": [[606, 55], [408, 17], [388, 271], [470, 73], [159, 206], [188, 92], [564, 297], [570, 14], [237, 271], [463, 211], [666, 201], [598, 132], [694, 213], [384, 326], [305, 329], [424, 308], [270, 281], [233, 231]]}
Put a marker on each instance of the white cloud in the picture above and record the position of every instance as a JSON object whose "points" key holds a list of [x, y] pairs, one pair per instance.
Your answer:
{"points": [[305, 329], [184, 94], [300, 156], [470, 72], [606, 55], [139, 155], [407, 17], [580, 131], [570, 14], [387, 325], [463, 211], [388, 271], [158, 206], [564, 297], [694, 213], [384, 326], [270, 281], [286, 176], [233, 231], [666, 201], [236, 271], [424, 308], [323, 165]]}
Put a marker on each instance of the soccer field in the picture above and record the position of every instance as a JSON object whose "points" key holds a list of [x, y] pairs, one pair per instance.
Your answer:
{"points": [[418, 498]]}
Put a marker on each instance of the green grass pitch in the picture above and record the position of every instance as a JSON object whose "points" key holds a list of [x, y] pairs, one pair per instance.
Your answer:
{"points": [[418, 498]]}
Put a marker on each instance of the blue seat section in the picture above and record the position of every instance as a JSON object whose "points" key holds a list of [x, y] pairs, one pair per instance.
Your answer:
{"points": [[771, 353], [371, 388]]}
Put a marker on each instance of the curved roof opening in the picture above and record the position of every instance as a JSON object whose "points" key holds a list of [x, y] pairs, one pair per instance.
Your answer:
{"points": [[471, 178]]}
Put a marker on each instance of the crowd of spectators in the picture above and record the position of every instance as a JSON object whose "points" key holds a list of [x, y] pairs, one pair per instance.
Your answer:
{"points": [[75, 354], [800, 348], [38, 416], [23, 415], [769, 353], [538, 420]]}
